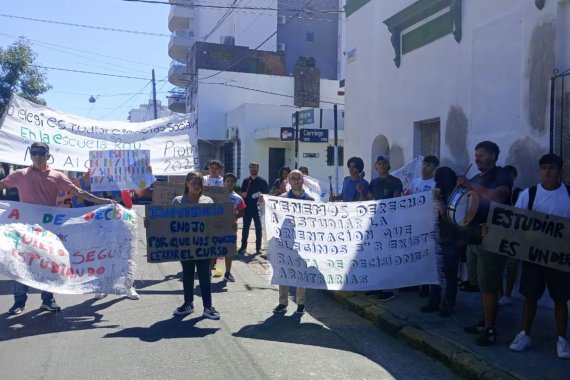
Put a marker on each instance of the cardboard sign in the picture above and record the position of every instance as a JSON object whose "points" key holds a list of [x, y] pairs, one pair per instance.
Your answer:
{"points": [[528, 235], [218, 194], [194, 231], [164, 192], [178, 179]]}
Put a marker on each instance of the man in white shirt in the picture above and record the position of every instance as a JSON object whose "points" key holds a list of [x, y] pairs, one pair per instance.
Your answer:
{"points": [[553, 198], [426, 181]]}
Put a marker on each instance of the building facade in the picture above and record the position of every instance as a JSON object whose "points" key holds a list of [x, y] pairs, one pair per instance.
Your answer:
{"points": [[439, 76]]}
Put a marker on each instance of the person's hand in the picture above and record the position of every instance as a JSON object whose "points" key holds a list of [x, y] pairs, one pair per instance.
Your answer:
{"points": [[360, 187], [464, 182], [260, 199], [243, 195], [484, 229]]}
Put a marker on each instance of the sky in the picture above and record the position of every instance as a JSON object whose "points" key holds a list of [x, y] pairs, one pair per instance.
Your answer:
{"points": [[94, 50]]}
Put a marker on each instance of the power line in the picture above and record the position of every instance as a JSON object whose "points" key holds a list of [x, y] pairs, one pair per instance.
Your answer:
{"points": [[324, 10], [85, 26], [88, 72]]}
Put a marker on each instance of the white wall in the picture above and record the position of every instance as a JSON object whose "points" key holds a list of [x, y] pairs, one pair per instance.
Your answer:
{"points": [[495, 77]]}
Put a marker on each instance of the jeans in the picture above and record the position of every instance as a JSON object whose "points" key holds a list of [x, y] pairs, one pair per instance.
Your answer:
{"points": [[251, 213], [21, 294], [203, 269]]}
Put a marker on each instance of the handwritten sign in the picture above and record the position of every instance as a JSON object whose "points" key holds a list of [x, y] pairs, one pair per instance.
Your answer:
{"points": [[528, 235], [217, 193], [190, 232], [69, 251], [120, 170], [164, 192], [352, 246]]}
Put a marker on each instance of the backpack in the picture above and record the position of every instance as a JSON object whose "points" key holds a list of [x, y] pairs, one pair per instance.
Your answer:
{"points": [[532, 195]]}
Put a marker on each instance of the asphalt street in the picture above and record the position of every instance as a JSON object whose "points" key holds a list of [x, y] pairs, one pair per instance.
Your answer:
{"points": [[117, 338]]}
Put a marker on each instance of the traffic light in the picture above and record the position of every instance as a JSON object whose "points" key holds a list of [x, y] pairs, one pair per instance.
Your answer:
{"points": [[340, 156], [330, 155]]}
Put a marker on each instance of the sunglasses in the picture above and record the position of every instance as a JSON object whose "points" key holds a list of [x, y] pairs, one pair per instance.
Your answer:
{"points": [[38, 153]]}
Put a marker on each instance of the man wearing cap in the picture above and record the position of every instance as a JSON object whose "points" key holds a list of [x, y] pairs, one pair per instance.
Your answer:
{"points": [[39, 185], [386, 186]]}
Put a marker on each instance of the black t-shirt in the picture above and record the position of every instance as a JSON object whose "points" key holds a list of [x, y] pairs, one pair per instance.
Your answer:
{"points": [[383, 188], [492, 179], [252, 186]]}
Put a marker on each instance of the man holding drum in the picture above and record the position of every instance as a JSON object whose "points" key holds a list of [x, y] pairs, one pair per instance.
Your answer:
{"points": [[492, 184]]}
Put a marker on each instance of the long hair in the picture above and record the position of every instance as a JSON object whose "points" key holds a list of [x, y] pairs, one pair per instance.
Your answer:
{"points": [[190, 176]]}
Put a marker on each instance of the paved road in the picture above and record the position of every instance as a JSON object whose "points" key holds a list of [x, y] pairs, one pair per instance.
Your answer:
{"points": [[122, 339]]}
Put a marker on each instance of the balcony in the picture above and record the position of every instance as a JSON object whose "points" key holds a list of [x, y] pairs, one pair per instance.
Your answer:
{"points": [[180, 17], [178, 74], [180, 44], [177, 101]]}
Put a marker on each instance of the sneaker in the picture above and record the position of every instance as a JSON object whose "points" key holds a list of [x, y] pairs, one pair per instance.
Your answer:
{"points": [[429, 308], [241, 251], [259, 252], [132, 294], [477, 328], [521, 342], [280, 309], [386, 296], [563, 348], [50, 306], [505, 301], [16, 309], [211, 313], [300, 310], [186, 308], [487, 338], [100, 296], [229, 278]]}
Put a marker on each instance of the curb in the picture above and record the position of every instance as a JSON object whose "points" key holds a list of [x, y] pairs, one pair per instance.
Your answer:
{"points": [[464, 362]]}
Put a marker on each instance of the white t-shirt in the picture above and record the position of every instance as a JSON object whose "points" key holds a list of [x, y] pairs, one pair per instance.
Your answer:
{"points": [[420, 185], [552, 202], [211, 181]]}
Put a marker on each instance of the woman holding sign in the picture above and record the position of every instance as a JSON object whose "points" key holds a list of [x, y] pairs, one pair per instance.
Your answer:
{"points": [[193, 194]]}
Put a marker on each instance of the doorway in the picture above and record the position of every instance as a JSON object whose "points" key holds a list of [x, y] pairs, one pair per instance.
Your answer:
{"points": [[276, 162]]}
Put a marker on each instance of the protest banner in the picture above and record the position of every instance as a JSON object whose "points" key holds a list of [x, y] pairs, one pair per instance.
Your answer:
{"points": [[111, 170], [66, 250], [172, 141], [190, 232], [217, 193], [528, 235], [164, 192], [352, 246]]}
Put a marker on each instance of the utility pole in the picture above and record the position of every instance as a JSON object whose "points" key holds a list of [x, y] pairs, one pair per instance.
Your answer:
{"points": [[154, 95], [335, 109], [296, 139]]}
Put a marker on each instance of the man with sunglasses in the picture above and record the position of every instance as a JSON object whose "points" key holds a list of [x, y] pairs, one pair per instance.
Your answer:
{"points": [[40, 185]]}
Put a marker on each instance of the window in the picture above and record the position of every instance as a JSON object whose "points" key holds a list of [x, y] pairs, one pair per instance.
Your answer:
{"points": [[310, 36], [427, 137]]}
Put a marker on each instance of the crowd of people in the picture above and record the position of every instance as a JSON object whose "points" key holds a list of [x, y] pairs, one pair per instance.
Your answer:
{"points": [[486, 271]]}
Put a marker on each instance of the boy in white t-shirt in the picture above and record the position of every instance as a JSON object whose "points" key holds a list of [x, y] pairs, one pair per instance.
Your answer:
{"points": [[551, 197], [215, 168], [426, 181]]}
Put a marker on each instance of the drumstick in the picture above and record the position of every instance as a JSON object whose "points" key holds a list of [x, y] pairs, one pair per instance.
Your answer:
{"points": [[467, 171]]}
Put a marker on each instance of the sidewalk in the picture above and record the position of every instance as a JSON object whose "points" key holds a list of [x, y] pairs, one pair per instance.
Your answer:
{"points": [[444, 339]]}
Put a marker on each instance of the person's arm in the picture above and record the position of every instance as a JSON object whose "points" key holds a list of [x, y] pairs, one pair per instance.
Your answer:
{"points": [[87, 196], [499, 194], [2, 187]]}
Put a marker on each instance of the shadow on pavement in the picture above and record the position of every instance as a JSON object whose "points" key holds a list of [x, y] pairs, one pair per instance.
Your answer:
{"points": [[173, 328], [289, 329], [34, 322]]}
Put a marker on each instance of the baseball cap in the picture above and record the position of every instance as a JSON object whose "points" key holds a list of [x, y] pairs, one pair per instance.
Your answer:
{"points": [[40, 145], [382, 158]]}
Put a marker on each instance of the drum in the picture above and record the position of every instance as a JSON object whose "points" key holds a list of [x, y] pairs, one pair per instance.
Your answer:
{"points": [[462, 206]]}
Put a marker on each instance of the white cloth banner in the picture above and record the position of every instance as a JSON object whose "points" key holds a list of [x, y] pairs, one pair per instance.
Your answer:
{"points": [[408, 172], [172, 141], [69, 251], [352, 246]]}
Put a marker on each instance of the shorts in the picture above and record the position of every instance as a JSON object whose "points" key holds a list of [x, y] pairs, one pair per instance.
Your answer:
{"points": [[490, 268], [535, 278]]}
